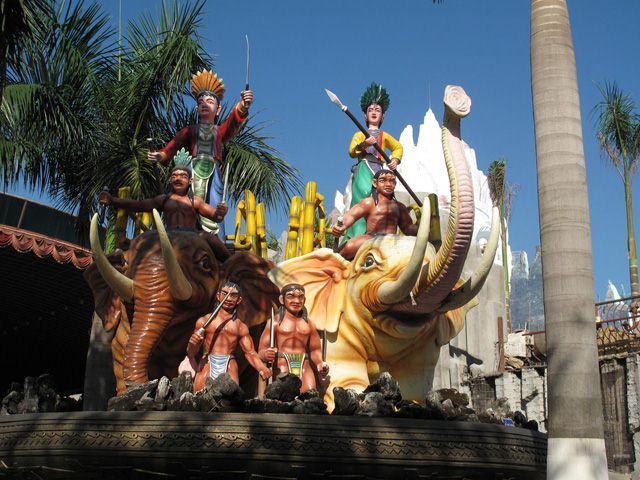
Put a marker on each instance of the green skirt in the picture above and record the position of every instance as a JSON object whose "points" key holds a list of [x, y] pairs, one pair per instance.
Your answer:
{"points": [[360, 189]]}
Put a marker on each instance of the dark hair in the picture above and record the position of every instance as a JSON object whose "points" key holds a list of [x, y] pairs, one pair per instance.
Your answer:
{"points": [[230, 284], [374, 190], [381, 172], [290, 287], [182, 168]]}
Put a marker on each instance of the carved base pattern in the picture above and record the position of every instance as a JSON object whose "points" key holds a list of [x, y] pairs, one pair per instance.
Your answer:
{"points": [[215, 445]]}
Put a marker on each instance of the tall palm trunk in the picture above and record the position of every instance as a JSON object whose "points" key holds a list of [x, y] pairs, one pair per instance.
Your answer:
{"points": [[631, 238], [505, 264], [576, 438]]}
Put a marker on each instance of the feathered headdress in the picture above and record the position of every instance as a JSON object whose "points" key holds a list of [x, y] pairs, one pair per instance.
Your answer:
{"points": [[207, 82], [182, 158], [375, 93]]}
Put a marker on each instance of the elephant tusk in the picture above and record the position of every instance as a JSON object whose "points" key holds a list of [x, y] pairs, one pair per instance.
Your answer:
{"points": [[396, 291], [121, 284], [178, 284], [444, 271], [466, 292]]}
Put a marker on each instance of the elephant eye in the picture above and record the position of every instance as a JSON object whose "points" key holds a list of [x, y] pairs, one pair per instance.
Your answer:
{"points": [[205, 263], [369, 262]]}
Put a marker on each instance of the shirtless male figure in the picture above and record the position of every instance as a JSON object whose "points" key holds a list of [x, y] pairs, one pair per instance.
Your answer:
{"points": [[220, 339], [296, 339], [180, 210], [383, 213]]}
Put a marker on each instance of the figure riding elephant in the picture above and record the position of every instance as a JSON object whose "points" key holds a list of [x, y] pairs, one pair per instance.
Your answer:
{"points": [[398, 301], [164, 282]]}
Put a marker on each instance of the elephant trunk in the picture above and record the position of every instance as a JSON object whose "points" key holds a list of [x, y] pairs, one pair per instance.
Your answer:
{"points": [[441, 275], [437, 278], [178, 284], [122, 285], [398, 290], [154, 309]]}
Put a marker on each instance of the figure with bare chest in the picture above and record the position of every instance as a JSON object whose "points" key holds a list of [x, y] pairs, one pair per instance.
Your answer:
{"points": [[382, 212], [215, 341], [296, 343]]}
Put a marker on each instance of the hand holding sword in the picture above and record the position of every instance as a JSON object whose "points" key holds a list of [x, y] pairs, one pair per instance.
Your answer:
{"points": [[247, 95]]}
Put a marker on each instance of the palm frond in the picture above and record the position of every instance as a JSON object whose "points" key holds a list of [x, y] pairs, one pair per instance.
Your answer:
{"points": [[256, 166], [496, 180], [615, 129]]}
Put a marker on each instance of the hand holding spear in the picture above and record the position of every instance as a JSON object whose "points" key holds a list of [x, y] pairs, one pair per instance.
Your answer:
{"points": [[334, 98]]}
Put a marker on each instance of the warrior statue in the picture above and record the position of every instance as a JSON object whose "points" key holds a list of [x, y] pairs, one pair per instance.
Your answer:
{"points": [[205, 139], [374, 103]]}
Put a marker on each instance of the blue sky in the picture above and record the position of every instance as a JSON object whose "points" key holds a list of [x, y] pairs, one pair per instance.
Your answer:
{"points": [[299, 48]]}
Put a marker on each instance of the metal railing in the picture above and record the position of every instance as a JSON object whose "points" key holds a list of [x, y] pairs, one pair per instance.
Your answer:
{"points": [[617, 326]]}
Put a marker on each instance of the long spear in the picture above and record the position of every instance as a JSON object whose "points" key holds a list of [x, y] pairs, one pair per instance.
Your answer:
{"points": [[334, 98], [213, 315]]}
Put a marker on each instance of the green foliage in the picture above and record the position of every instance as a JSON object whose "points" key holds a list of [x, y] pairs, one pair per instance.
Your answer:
{"points": [[618, 129], [618, 133], [272, 240], [496, 179], [255, 165], [79, 114]]}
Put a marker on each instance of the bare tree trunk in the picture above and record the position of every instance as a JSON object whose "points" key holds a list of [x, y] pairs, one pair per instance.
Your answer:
{"points": [[576, 436], [631, 239]]}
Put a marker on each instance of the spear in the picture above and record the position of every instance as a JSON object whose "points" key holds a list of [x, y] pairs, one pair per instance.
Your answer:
{"points": [[213, 315], [334, 98]]}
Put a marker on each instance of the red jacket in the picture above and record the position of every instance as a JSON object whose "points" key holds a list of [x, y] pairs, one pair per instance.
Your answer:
{"points": [[188, 136]]}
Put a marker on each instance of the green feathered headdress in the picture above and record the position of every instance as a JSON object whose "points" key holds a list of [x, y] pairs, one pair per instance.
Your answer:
{"points": [[375, 93], [182, 160]]}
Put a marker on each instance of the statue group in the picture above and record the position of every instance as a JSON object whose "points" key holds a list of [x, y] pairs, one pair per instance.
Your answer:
{"points": [[178, 299]]}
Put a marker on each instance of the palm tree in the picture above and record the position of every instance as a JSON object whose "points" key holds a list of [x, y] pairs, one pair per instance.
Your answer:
{"points": [[81, 116], [618, 133], [501, 194], [47, 112], [575, 403], [19, 19]]}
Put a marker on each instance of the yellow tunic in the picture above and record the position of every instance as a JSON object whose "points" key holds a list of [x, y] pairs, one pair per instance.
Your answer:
{"points": [[386, 142]]}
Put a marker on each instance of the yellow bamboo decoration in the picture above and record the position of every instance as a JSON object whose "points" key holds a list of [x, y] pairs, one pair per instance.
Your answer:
{"points": [[294, 228], [122, 217], [261, 230], [142, 222], [305, 234], [252, 215]]}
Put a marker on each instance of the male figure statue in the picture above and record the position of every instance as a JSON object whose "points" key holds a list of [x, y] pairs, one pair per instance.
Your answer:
{"points": [[180, 210], [381, 211], [220, 339], [204, 140], [296, 339], [374, 103]]}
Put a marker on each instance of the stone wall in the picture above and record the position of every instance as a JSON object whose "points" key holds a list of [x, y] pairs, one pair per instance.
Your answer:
{"points": [[526, 390]]}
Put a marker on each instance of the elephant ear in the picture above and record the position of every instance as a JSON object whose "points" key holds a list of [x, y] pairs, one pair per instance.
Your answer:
{"points": [[258, 293], [324, 277], [108, 306]]}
